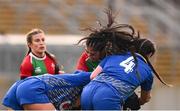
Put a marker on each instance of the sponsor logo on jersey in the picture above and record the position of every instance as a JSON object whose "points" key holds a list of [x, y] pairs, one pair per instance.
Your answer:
{"points": [[38, 70]]}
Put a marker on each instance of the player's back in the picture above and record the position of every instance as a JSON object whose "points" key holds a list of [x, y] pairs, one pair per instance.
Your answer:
{"points": [[123, 68]]}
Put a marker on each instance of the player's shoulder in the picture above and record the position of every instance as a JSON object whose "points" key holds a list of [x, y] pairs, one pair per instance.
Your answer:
{"points": [[84, 54], [26, 59]]}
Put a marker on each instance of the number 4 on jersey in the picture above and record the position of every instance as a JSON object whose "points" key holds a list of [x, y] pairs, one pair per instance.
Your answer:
{"points": [[128, 64]]}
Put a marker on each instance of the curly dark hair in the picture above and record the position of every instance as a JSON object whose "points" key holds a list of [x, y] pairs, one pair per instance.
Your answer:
{"points": [[146, 47], [113, 39]]}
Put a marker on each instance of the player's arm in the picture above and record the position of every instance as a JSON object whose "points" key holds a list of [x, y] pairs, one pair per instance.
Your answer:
{"points": [[25, 72], [145, 97], [146, 87], [97, 71], [26, 69], [39, 106], [99, 68], [81, 64]]}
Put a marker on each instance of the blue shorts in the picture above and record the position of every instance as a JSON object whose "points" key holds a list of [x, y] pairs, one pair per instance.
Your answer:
{"points": [[100, 96], [26, 92]]}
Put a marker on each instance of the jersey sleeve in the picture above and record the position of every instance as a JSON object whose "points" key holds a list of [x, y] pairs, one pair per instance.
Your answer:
{"points": [[26, 68], [81, 64], [147, 84]]}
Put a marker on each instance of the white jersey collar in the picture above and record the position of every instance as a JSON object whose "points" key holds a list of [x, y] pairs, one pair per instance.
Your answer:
{"points": [[38, 58]]}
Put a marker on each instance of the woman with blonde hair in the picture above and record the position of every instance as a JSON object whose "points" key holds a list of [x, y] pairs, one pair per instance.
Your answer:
{"points": [[38, 60]]}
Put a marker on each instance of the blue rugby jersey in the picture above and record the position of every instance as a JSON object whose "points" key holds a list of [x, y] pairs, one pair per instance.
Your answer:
{"points": [[64, 89], [119, 71]]}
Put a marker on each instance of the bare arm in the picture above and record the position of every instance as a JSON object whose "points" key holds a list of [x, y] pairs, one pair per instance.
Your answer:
{"points": [[145, 97], [45, 106], [97, 71]]}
